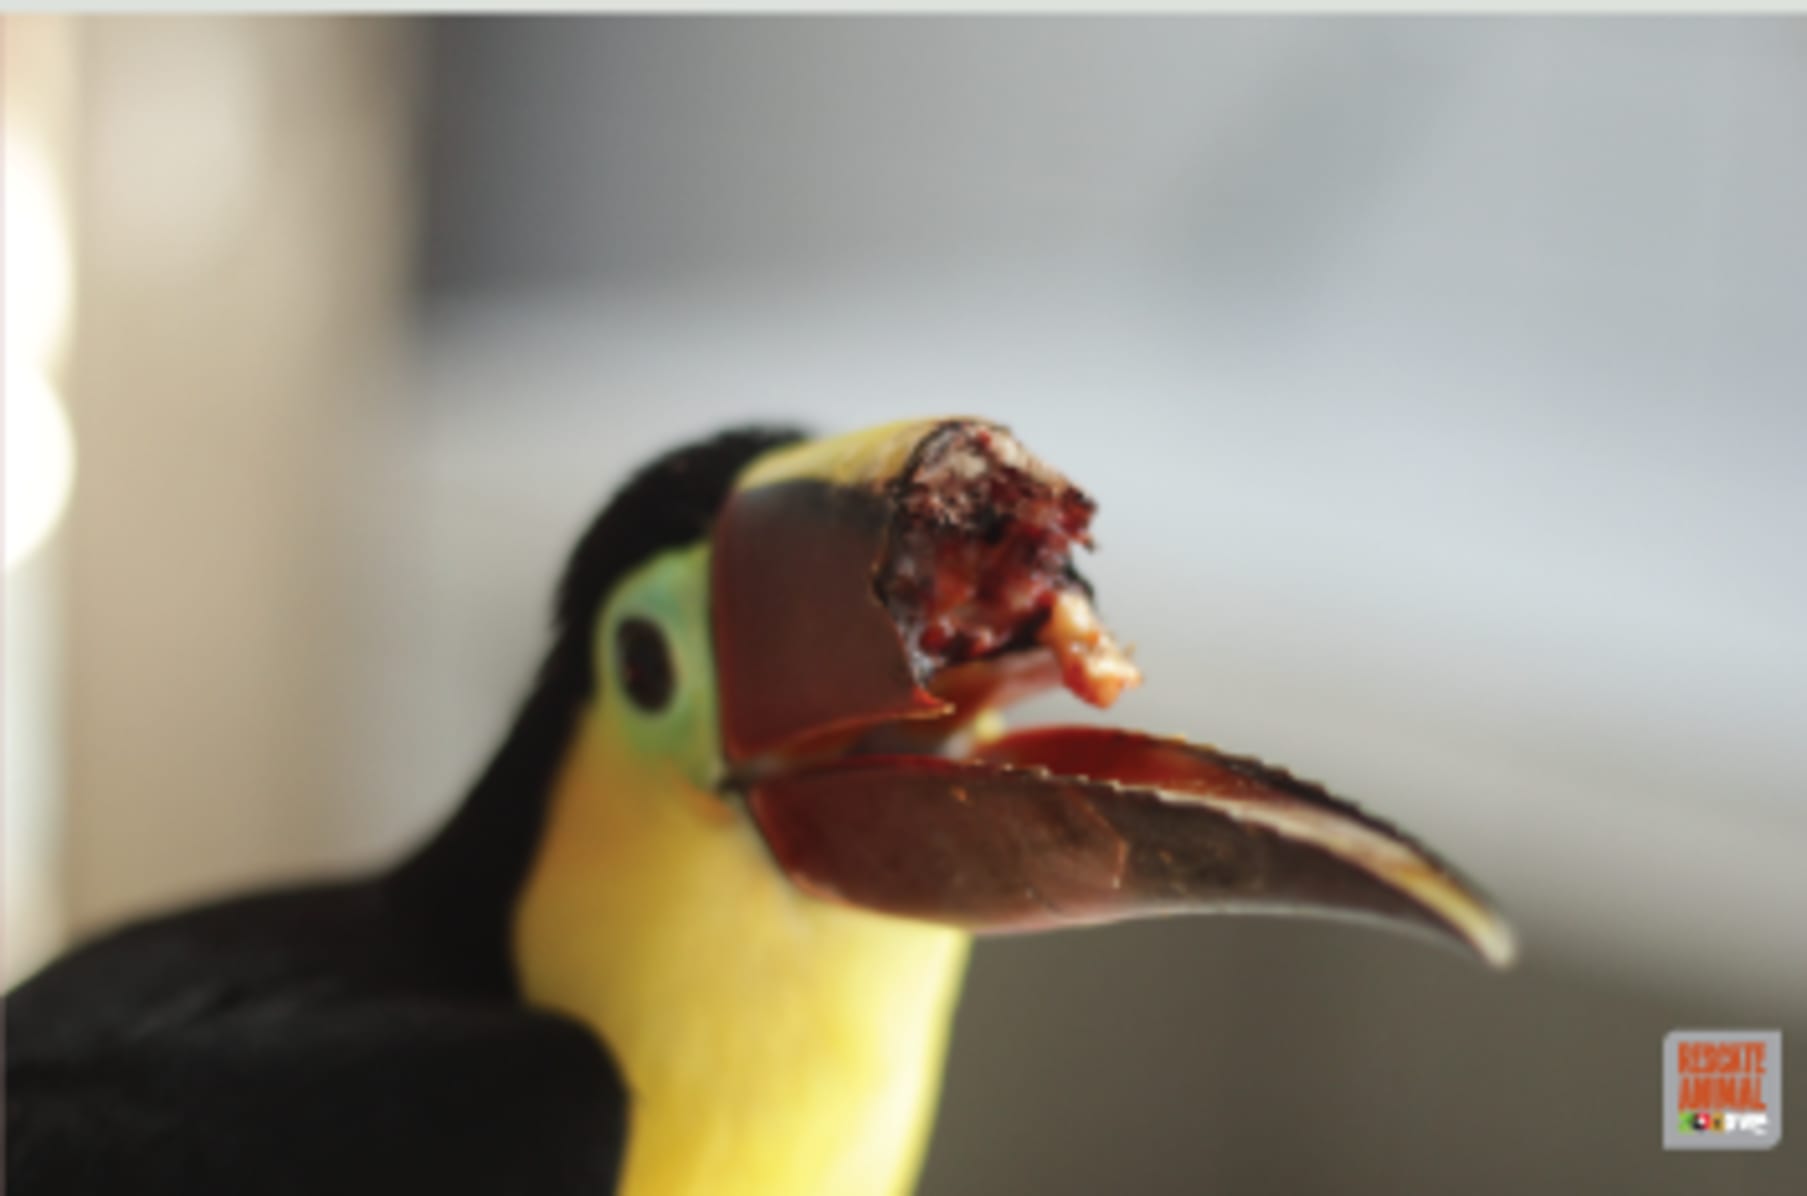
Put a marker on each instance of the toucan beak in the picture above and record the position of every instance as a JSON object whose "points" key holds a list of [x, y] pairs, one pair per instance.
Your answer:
{"points": [[873, 593]]}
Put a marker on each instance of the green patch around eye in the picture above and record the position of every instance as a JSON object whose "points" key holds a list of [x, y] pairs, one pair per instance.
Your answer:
{"points": [[671, 592]]}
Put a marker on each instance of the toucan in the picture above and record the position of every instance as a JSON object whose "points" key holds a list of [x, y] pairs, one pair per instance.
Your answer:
{"points": [[699, 927]]}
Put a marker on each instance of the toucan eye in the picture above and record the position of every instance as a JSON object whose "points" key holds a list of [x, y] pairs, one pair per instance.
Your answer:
{"points": [[645, 663]]}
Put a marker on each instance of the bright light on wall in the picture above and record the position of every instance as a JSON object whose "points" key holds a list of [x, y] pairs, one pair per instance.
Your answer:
{"points": [[38, 80], [40, 452], [40, 462]]}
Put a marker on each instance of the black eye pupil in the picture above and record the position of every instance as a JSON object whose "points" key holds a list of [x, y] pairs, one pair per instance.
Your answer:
{"points": [[645, 663]]}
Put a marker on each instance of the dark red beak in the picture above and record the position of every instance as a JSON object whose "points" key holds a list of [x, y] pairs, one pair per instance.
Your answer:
{"points": [[873, 594]]}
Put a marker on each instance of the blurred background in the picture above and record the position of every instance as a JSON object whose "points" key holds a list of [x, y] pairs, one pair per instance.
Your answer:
{"points": [[1444, 384]]}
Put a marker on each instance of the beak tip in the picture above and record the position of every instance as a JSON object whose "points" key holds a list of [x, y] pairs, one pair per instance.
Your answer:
{"points": [[1483, 934], [1497, 945]]}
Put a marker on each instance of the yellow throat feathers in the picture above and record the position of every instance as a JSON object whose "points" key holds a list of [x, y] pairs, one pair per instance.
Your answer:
{"points": [[770, 1043]]}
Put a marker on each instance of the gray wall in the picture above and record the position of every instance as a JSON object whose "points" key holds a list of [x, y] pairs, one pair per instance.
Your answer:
{"points": [[1442, 383]]}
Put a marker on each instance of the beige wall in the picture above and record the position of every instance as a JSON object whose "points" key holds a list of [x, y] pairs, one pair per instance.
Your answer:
{"points": [[242, 190]]}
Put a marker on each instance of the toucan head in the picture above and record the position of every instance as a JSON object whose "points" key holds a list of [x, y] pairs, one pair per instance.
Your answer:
{"points": [[808, 644]]}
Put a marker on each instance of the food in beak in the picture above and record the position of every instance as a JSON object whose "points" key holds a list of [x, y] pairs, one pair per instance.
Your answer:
{"points": [[980, 565], [914, 582]]}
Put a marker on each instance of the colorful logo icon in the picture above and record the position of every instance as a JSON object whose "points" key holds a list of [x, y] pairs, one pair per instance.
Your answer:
{"points": [[1722, 1089]]}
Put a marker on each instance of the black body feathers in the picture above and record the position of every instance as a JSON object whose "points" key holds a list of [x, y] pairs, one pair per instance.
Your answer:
{"points": [[363, 1037]]}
